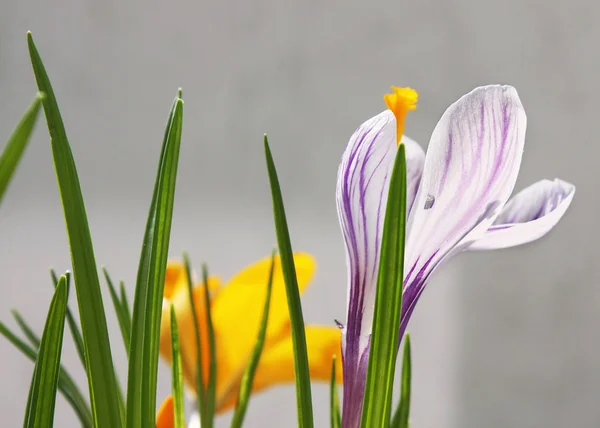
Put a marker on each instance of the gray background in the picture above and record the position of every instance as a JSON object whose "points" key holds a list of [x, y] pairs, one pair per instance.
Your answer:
{"points": [[503, 339]]}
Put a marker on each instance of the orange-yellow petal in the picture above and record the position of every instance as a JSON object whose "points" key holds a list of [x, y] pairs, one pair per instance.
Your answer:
{"points": [[237, 312], [176, 280], [177, 292], [165, 418], [276, 363]]}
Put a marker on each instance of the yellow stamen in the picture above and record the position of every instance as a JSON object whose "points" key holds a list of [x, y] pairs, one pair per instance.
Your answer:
{"points": [[400, 102]]}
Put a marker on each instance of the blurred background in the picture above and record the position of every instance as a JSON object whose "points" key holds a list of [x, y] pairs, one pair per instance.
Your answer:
{"points": [[501, 339]]}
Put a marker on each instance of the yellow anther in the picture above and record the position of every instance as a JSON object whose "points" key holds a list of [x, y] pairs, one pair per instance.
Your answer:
{"points": [[400, 102]]}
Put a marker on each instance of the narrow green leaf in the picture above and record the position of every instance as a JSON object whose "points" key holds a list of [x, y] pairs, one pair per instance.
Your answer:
{"points": [[99, 363], [17, 142], [125, 306], [26, 329], [303, 392], [66, 384], [334, 400], [250, 371], [73, 326], [211, 388], [178, 398], [400, 419], [42, 393], [388, 304], [122, 317], [147, 305], [200, 389], [124, 325]]}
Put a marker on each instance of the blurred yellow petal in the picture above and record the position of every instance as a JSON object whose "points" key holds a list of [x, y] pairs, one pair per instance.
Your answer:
{"points": [[237, 312], [175, 279], [277, 361], [276, 365], [176, 293], [165, 418]]}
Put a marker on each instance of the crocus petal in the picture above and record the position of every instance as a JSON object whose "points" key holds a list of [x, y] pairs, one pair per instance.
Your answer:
{"points": [[528, 215], [415, 159], [237, 313], [362, 191], [194, 421], [276, 364], [277, 361], [470, 170], [361, 194], [176, 294], [165, 418], [175, 279]]}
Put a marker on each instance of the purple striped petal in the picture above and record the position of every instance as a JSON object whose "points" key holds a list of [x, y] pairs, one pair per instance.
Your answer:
{"points": [[528, 215], [361, 194], [362, 191], [470, 170], [415, 159]]}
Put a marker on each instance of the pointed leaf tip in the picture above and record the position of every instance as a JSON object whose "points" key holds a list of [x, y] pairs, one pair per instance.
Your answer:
{"points": [[301, 369]]}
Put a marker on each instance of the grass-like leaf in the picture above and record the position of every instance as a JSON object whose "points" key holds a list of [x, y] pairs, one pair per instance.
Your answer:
{"points": [[211, 387], [66, 384], [31, 336], [73, 326], [200, 389], [147, 305], [400, 419], [301, 370], [122, 312], [125, 304], [334, 400], [99, 364], [177, 374], [42, 393], [250, 371], [17, 142], [388, 304]]}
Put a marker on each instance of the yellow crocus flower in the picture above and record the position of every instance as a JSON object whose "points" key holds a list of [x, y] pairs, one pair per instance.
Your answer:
{"points": [[236, 310]]}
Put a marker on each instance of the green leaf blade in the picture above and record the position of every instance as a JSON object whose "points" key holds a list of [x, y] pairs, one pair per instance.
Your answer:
{"points": [[99, 364], [334, 400], [122, 314], [400, 419], [250, 371], [26, 329], [211, 388], [16, 144], [73, 326], [147, 306], [388, 303], [177, 373], [200, 389], [42, 393], [125, 306], [301, 369], [66, 384]]}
